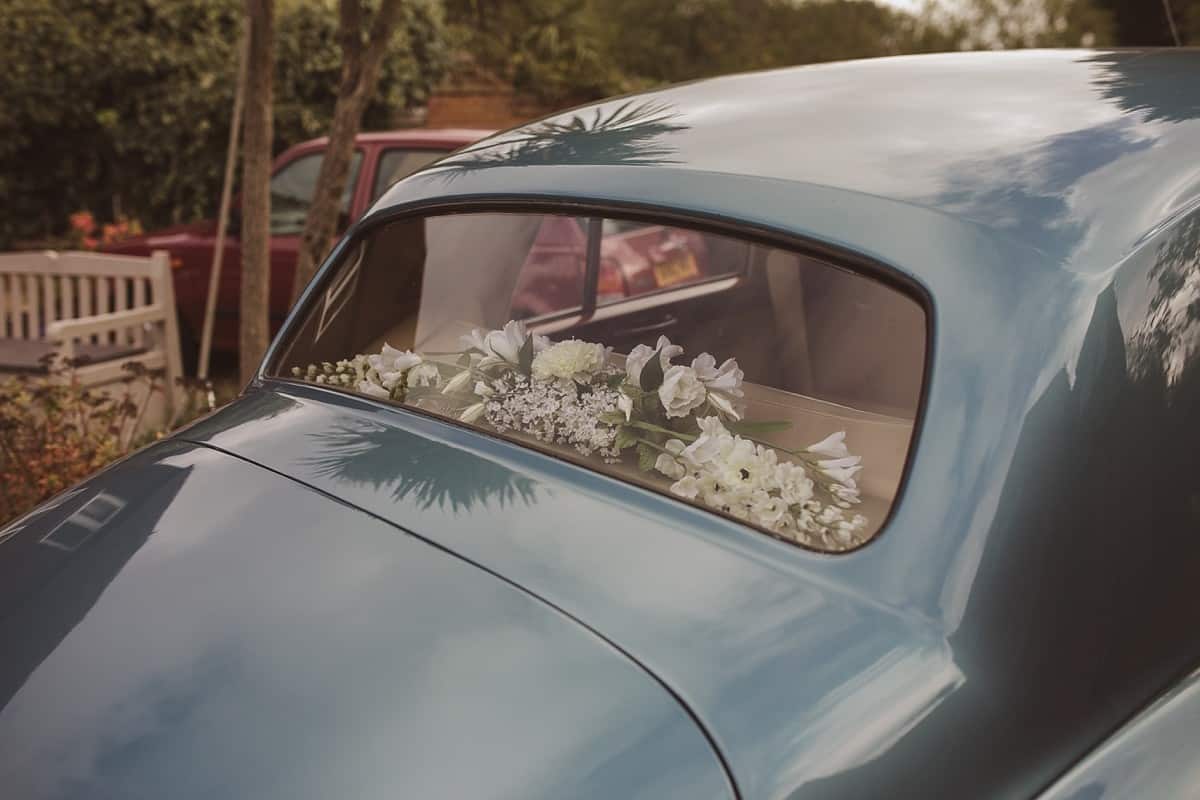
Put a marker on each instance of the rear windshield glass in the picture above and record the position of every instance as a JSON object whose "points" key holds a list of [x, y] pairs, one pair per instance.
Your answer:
{"points": [[756, 382]]}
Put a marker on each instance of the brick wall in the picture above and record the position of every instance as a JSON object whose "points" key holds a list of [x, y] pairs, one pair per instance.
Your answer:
{"points": [[484, 108]]}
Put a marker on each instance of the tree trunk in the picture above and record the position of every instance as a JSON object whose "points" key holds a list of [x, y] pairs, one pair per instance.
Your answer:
{"points": [[254, 332], [360, 74]]}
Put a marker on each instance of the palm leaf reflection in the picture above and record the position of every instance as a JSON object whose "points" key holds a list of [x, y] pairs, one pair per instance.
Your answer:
{"points": [[1136, 83], [628, 133], [384, 458]]}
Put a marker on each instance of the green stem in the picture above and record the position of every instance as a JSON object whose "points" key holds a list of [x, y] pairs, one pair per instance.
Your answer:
{"points": [[646, 426]]}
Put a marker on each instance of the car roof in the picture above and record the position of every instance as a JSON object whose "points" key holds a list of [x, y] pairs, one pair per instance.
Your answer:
{"points": [[1076, 154]]}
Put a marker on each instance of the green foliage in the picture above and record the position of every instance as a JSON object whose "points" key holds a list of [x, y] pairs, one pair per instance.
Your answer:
{"points": [[564, 51], [554, 50], [659, 42], [647, 455], [1034, 23], [122, 106]]}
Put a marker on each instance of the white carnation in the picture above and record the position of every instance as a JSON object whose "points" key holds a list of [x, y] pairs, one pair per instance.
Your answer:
{"points": [[571, 359]]}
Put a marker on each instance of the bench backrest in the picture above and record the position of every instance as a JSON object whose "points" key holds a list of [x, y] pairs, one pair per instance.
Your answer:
{"points": [[38, 288]]}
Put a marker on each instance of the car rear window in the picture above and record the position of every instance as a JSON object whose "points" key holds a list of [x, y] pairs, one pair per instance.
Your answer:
{"points": [[754, 381]]}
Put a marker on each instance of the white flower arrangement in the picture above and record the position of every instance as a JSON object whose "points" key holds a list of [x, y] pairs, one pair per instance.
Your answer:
{"points": [[682, 422]]}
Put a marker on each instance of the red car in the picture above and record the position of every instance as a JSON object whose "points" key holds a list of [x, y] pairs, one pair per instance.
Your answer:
{"points": [[379, 160], [636, 259]]}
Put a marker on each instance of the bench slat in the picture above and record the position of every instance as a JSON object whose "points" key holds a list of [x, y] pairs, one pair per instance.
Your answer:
{"points": [[87, 290], [121, 289], [66, 299], [33, 307], [5, 295], [47, 299]]}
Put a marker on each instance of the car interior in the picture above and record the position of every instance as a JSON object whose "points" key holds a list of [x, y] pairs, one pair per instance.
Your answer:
{"points": [[822, 347]]}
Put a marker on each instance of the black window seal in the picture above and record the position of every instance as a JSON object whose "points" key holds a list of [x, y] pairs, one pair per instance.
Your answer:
{"points": [[591, 270]]}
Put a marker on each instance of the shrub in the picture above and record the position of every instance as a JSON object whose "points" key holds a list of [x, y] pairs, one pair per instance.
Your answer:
{"points": [[54, 432]]}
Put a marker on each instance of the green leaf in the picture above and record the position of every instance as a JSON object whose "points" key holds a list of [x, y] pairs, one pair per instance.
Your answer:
{"points": [[525, 357], [612, 418], [646, 457], [626, 438], [758, 428], [652, 373], [464, 360]]}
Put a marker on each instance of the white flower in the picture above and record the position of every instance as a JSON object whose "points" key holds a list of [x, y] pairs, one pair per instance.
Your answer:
{"points": [[842, 474], [708, 444], [768, 510], [571, 359], [625, 404], [457, 382], [795, 486], [391, 364], [474, 340], [507, 342], [742, 465], [681, 391], [373, 390], [472, 413], [724, 404], [686, 487], [838, 463], [724, 383], [669, 467], [639, 356], [425, 374], [504, 345], [833, 445]]}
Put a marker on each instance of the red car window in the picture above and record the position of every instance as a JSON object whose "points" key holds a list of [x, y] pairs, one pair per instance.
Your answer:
{"points": [[398, 163]]}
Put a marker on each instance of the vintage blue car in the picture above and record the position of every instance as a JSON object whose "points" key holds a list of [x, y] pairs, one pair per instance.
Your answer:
{"points": [[829, 432]]}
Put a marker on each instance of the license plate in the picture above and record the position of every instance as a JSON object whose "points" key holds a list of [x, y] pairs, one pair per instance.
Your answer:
{"points": [[676, 270]]}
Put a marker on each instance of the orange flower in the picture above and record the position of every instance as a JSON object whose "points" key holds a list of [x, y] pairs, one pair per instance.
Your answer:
{"points": [[83, 221]]}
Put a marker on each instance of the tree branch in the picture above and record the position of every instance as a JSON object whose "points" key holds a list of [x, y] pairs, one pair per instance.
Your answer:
{"points": [[360, 74]]}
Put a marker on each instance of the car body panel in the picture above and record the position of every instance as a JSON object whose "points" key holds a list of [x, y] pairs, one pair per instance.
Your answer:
{"points": [[240, 635], [1152, 756], [1052, 351]]}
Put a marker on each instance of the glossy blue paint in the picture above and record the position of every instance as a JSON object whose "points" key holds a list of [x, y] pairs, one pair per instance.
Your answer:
{"points": [[1034, 587], [1154, 756], [1038, 559], [194, 626]]}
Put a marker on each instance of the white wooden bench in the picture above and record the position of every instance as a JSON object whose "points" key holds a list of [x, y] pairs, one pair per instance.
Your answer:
{"points": [[98, 310]]}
